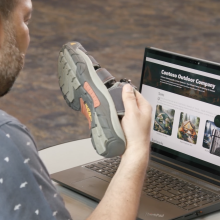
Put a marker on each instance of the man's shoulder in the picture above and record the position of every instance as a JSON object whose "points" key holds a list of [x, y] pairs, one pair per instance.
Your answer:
{"points": [[15, 130], [6, 118]]}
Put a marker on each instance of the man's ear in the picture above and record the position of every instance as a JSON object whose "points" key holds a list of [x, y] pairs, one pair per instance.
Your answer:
{"points": [[1, 32]]}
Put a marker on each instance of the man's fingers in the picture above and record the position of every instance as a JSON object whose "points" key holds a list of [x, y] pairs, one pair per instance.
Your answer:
{"points": [[134, 101], [142, 103], [141, 100], [129, 99]]}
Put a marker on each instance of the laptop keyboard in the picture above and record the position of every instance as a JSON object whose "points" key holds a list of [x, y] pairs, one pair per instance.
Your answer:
{"points": [[163, 186]]}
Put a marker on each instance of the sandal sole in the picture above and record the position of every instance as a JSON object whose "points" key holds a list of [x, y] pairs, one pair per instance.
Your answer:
{"points": [[79, 81]]}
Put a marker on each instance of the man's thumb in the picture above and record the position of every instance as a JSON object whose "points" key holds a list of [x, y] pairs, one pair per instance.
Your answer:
{"points": [[129, 99]]}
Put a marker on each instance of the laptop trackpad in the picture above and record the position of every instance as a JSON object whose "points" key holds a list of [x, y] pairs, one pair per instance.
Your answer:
{"points": [[92, 186]]}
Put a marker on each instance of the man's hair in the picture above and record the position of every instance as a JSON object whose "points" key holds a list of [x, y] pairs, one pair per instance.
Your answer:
{"points": [[6, 7]]}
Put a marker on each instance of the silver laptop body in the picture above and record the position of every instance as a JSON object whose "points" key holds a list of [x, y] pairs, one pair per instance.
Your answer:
{"points": [[183, 178]]}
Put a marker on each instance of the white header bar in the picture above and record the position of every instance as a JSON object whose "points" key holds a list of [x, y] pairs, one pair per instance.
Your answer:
{"points": [[210, 75]]}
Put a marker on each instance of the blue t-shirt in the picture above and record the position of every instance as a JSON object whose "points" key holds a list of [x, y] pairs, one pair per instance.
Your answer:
{"points": [[26, 190]]}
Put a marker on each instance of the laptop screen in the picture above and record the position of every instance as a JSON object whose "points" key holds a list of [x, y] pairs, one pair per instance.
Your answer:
{"points": [[184, 93]]}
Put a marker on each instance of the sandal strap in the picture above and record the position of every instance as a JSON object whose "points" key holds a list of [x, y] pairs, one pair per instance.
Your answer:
{"points": [[116, 94], [94, 62], [104, 75], [96, 65]]}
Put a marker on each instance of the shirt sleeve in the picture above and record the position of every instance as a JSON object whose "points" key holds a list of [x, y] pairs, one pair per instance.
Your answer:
{"points": [[26, 190]]}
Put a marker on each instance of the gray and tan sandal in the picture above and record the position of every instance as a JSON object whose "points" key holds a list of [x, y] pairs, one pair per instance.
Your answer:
{"points": [[88, 88]]}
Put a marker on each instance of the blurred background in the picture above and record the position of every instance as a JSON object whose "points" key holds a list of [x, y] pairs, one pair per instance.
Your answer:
{"points": [[116, 33]]}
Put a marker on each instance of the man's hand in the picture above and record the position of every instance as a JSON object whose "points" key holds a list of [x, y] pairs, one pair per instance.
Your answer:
{"points": [[137, 120], [122, 197]]}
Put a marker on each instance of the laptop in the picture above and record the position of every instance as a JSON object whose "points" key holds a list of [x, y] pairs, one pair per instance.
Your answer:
{"points": [[183, 177]]}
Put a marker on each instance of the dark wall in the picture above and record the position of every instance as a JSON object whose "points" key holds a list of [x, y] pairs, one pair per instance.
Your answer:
{"points": [[116, 32]]}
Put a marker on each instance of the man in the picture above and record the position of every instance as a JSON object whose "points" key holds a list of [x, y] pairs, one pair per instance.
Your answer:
{"points": [[26, 191]]}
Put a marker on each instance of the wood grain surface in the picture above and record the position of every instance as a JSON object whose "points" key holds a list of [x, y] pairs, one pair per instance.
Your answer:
{"points": [[116, 32]]}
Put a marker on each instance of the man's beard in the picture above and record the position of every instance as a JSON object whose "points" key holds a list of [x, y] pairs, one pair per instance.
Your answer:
{"points": [[11, 60]]}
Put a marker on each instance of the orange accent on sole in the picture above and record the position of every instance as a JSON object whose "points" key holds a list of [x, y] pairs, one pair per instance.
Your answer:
{"points": [[95, 99], [85, 112]]}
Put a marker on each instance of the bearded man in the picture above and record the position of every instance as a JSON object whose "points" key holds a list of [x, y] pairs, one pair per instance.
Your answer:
{"points": [[26, 191]]}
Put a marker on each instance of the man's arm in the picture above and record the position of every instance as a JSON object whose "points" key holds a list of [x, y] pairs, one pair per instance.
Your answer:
{"points": [[122, 197]]}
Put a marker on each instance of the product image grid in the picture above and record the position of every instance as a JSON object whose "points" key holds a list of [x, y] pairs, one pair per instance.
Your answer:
{"points": [[163, 121], [188, 128], [211, 138]]}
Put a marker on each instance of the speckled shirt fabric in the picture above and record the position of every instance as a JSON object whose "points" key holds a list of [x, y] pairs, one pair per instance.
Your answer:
{"points": [[26, 191]]}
